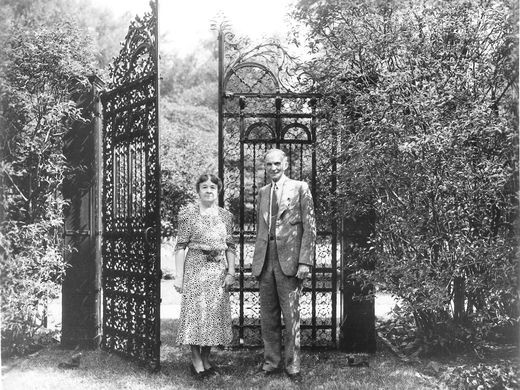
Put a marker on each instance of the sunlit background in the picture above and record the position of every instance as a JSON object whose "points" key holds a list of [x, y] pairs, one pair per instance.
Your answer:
{"points": [[183, 24]]}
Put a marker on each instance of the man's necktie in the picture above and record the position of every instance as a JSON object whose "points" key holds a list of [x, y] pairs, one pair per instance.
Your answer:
{"points": [[274, 212]]}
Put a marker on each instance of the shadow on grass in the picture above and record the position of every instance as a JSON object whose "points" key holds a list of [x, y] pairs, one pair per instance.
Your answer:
{"points": [[237, 368], [175, 358], [100, 370]]}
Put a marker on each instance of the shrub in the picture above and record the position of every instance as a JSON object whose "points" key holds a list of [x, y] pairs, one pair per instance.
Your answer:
{"points": [[423, 97], [503, 375], [41, 67]]}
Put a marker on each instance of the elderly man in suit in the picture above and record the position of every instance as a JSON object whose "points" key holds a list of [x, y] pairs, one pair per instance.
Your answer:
{"points": [[284, 252]]}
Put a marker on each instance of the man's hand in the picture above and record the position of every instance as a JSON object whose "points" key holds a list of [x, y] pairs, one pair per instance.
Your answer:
{"points": [[177, 284], [229, 280], [303, 271]]}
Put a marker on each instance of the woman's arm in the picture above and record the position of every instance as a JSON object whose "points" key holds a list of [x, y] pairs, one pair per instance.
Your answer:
{"points": [[230, 275], [180, 255], [230, 256], [181, 248]]}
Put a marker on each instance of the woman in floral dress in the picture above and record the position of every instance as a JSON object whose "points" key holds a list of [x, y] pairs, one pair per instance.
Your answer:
{"points": [[205, 270]]}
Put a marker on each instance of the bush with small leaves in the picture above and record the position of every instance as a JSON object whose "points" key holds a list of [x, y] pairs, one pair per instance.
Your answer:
{"points": [[42, 66]]}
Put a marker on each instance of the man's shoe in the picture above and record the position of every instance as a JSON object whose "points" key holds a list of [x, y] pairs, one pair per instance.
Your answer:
{"points": [[296, 377]]}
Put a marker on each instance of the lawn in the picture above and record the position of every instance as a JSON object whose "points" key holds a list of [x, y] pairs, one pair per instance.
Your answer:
{"points": [[101, 370]]}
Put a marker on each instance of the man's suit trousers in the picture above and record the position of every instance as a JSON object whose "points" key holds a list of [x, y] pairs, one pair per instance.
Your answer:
{"points": [[279, 294]]}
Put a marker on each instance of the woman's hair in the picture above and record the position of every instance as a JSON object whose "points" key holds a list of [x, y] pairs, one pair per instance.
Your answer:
{"points": [[208, 176]]}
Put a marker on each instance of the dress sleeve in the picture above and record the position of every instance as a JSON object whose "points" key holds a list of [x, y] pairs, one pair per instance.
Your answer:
{"points": [[230, 241], [184, 228]]}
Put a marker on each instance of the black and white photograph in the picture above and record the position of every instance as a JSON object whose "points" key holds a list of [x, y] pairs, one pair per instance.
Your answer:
{"points": [[276, 194]]}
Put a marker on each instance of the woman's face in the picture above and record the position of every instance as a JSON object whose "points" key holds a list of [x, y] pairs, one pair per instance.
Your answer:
{"points": [[208, 191]]}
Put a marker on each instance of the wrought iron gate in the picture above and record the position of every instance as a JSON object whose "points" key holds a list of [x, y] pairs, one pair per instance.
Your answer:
{"points": [[258, 110], [131, 272]]}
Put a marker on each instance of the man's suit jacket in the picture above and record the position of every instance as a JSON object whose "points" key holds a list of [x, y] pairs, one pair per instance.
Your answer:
{"points": [[295, 227]]}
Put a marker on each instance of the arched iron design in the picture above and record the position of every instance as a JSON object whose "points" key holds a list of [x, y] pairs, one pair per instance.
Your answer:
{"points": [[296, 132], [258, 111], [131, 272], [259, 132]]}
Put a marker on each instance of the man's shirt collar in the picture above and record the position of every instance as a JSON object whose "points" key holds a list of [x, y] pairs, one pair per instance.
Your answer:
{"points": [[280, 182]]}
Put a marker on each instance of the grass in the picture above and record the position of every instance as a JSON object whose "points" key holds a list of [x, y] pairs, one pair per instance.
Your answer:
{"points": [[102, 370], [99, 370]]}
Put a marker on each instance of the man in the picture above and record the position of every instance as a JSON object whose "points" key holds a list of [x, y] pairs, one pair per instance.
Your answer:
{"points": [[284, 252]]}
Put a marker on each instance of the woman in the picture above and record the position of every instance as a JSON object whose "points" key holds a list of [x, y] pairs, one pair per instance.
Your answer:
{"points": [[205, 270]]}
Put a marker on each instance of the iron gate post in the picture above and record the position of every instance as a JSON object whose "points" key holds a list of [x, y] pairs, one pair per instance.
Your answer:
{"points": [[221, 113], [81, 286], [357, 329]]}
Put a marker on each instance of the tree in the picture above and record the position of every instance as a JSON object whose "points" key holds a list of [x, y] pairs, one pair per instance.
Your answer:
{"points": [[106, 31], [191, 79], [41, 68], [424, 99]]}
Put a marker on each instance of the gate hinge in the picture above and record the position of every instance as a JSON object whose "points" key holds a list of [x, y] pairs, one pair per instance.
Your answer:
{"points": [[77, 233]]}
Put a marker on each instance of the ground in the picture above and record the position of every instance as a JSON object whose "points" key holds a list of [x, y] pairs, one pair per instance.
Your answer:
{"points": [[101, 370]]}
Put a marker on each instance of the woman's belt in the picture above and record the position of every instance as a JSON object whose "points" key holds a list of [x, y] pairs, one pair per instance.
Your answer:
{"points": [[212, 255]]}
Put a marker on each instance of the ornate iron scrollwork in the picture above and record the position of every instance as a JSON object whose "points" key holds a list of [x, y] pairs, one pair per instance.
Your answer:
{"points": [[131, 272], [137, 57], [288, 72]]}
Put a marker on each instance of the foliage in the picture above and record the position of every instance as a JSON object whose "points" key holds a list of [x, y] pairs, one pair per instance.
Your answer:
{"points": [[423, 96], [191, 79], [105, 29], [503, 375], [189, 125], [41, 68], [449, 338], [188, 149], [495, 368]]}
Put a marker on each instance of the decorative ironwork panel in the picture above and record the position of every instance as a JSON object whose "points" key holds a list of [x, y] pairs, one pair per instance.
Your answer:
{"points": [[131, 272], [263, 104]]}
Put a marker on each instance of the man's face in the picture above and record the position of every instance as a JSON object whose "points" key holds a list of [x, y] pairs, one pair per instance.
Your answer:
{"points": [[275, 165]]}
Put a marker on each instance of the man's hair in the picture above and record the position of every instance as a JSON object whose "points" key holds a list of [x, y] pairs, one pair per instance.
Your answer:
{"points": [[208, 176], [274, 150]]}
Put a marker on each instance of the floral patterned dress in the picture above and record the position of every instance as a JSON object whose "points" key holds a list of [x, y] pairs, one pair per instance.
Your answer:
{"points": [[205, 317]]}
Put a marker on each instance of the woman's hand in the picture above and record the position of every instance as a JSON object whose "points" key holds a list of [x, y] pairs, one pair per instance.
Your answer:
{"points": [[229, 280], [177, 284]]}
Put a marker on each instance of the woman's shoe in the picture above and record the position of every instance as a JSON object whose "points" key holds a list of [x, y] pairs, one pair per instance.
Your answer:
{"points": [[197, 374]]}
